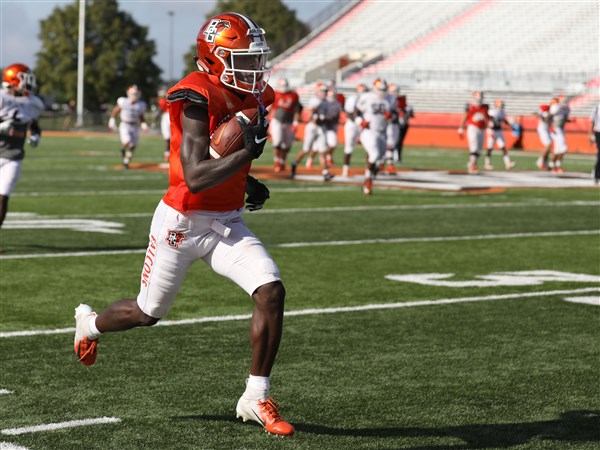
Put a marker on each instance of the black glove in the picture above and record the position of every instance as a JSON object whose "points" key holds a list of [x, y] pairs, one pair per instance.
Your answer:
{"points": [[255, 137], [257, 192]]}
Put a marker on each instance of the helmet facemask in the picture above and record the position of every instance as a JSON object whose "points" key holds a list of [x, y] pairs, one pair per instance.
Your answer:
{"points": [[245, 70]]}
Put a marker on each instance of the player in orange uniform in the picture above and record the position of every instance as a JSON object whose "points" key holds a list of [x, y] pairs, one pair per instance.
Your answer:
{"points": [[200, 216], [286, 111], [475, 119]]}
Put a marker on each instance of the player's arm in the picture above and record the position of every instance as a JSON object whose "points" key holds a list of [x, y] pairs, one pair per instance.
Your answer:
{"points": [[112, 123], [463, 123], [201, 172], [143, 123], [36, 133]]}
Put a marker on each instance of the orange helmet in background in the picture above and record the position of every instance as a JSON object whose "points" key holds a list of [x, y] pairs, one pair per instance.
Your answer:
{"points": [[19, 77], [233, 47]]}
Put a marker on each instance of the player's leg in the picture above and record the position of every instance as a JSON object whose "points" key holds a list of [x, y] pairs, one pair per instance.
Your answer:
{"points": [[475, 140], [241, 257], [400, 144], [10, 172], [491, 139], [597, 166], [170, 253], [350, 131]]}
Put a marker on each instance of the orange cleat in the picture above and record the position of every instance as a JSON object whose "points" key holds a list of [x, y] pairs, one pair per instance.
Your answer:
{"points": [[368, 187], [266, 414], [85, 348]]}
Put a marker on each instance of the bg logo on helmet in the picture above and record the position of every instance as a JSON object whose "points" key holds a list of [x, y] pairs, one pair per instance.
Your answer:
{"points": [[213, 28]]}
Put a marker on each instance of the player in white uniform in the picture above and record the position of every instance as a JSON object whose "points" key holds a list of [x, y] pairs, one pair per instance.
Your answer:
{"points": [[131, 112], [19, 111], [497, 118], [351, 127], [165, 121], [559, 110], [374, 110], [543, 130], [314, 133], [393, 129]]}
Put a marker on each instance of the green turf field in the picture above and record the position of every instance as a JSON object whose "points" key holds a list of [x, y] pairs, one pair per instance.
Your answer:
{"points": [[487, 354]]}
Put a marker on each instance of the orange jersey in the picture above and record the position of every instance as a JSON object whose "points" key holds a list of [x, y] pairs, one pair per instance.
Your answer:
{"points": [[163, 105], [222, 104], [285, 105], [477, 115]]}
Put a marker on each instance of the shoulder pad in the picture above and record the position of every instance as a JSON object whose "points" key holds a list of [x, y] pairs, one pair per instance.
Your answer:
{"points": [[188, 94]]}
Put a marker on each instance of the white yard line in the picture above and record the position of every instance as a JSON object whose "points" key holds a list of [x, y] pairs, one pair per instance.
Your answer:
{"points": [[331, 243], [438, 239], [59, 426], [161, 192], [341, 309], [538, 204], [9, 446]]}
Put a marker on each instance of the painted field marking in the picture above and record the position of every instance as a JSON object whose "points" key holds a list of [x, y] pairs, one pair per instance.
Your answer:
{"points": [[59, 426], [341, 309], [585, 300], [520, 278], [5, 392], [82, 225], [9, 446], [332, 243], [159, 192], [542, 204]]}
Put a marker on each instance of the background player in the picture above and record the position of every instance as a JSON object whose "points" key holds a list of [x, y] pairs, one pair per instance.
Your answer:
{"points": [[165, 121], [131, 112], [374, 111], [475, 119], [559, 111], [595, 137], [496, 135], [543, 131], [351, 128], [330, 125], [200, 216], [314, 133], [286, 110], [19, 111]]}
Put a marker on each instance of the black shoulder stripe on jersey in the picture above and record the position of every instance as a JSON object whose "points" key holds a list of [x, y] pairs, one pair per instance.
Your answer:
{"points": [[187, 94]]}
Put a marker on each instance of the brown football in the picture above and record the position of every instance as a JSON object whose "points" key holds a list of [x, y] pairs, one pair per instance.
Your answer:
{"points": [[228, 138]]}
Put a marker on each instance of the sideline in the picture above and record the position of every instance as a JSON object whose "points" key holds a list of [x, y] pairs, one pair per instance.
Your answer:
{"points": [[341, 309]]}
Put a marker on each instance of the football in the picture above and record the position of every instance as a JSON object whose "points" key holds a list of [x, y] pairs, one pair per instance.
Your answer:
{"points": [[228, 138]]}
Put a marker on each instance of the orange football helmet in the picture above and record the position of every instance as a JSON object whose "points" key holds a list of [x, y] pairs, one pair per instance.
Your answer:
{"points": [[232, 47], [20, 77]]}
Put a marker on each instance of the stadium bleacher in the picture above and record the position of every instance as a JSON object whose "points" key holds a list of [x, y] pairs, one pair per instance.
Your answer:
{"points": [[438, 52]]}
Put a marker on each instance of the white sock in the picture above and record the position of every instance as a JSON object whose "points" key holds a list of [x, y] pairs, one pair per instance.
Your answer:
{"points": [[94, 332], [257, 388], [506, 160]]}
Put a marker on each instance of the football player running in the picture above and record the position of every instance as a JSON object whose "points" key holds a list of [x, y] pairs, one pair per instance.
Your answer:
{"points": [[200, 216], [475, 119], [131, 112], [496, 136], [374, 111], [19, 111], [351, 127]]}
